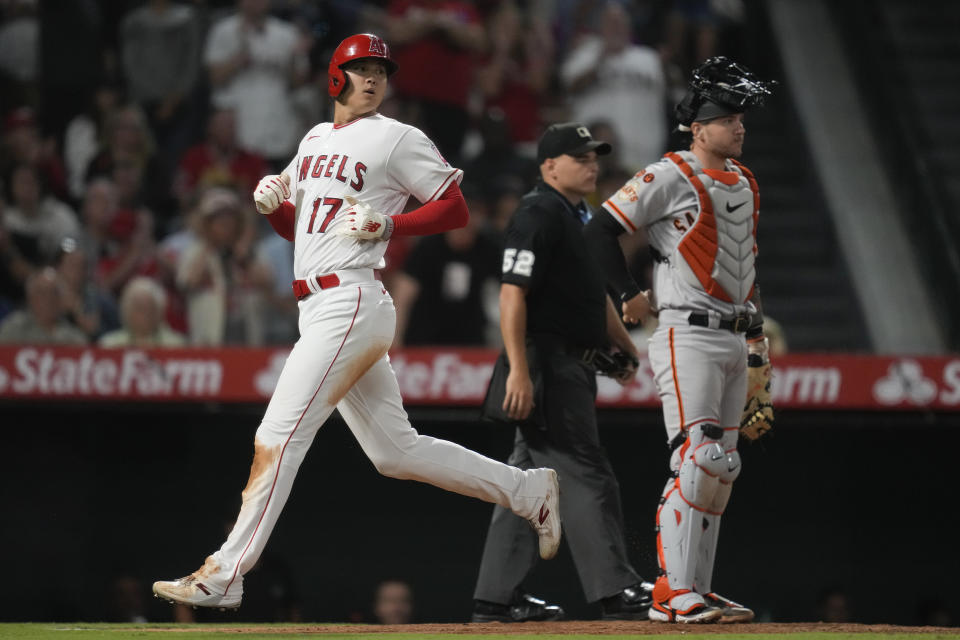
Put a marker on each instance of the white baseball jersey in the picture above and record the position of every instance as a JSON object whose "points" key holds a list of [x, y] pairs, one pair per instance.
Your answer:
{"points": [[340, 360], [375, 159], [703, 223]]}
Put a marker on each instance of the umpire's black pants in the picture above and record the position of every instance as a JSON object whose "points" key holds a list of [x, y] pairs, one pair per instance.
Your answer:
{"points": [[589, 493]]}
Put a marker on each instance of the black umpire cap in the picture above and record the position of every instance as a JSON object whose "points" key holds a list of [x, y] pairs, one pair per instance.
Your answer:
{"points": [[570, 138]]}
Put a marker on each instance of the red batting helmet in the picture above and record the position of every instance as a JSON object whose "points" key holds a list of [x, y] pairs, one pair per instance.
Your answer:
{"points": [[362, 45]]}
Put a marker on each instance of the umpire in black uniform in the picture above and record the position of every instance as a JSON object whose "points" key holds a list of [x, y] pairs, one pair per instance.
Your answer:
{"points": [[553, 310]]}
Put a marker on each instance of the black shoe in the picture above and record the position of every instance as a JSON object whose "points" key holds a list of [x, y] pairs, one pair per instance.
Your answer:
{"points": [[632, 603], [525, 609]]}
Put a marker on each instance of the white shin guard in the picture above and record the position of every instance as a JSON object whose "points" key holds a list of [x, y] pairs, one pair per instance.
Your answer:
{"points": [[688, 520]]}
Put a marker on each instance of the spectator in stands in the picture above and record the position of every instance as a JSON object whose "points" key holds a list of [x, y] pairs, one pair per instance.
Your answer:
{"points": [[127, 601], [129, 248], [776, 336], [142, 310], [23, 143], [222, 280], [14, 269], [692, 32], [254, 61], [127, 135], [608, 77], [42, 321], [439, 41], [516, 72], [88, 307], [160, 49], [439, 292], [393, 602], [833, 605], [130, 144], [499, 162], [36, 221], [19, 46], [218, 161], [282, 312], [85, 135]]}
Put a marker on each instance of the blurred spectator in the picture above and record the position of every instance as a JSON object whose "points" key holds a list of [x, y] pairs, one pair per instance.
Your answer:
{"points": [[142, 310], [218, 161], [506, 192], [254, 61], [14, 269], [42, 321], [87, 306], [693, 29], [393, 602], [19, 45], [498, 164], [222, 280], [437, 44], [516, 73], [833, 604], [130, 149], [282, 312], [127, 135], [610, 78], [127, 601], [160, 47], [86, 135], [36, 221], [23, 143], [439, 293], [124, 233], [773, 330]]}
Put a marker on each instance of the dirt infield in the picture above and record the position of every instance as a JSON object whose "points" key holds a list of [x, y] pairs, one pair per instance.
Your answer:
{"points": [[587, 628]]}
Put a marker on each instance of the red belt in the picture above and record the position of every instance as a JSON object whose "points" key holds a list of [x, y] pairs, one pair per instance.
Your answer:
{"points": [[301, 289]]}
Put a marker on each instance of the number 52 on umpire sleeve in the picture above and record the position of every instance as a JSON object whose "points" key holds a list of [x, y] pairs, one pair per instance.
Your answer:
{"points": [[519, 262]]}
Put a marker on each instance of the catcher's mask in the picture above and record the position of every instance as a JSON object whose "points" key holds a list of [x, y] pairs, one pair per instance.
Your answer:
{"points": [[720, 87], [361, 45]]}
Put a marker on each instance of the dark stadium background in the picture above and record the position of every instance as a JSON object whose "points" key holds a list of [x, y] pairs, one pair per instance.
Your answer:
{"points": [[858, 503]]}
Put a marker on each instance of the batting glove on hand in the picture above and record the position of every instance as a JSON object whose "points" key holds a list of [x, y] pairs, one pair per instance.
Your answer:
{"points": [[271, 192], [361, 221]]}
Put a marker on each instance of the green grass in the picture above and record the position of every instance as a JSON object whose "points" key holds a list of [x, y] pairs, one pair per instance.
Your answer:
{"points": [[89, 631]]}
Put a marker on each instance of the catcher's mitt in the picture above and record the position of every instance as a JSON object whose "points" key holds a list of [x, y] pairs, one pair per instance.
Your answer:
{"points": [[618, 365], [758, 412]]}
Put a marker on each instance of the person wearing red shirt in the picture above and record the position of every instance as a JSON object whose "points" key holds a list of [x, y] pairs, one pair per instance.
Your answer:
{"points": [[441, 39]]}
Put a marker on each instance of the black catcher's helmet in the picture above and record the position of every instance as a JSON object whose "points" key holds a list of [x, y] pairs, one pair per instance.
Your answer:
{"points": [[720, 87]]}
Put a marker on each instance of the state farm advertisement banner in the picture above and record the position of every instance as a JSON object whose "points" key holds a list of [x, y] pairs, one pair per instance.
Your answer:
{"points": [[445, 377]]}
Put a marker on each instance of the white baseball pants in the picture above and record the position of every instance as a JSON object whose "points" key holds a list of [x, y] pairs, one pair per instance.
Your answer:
{"points": [[340, 361]]}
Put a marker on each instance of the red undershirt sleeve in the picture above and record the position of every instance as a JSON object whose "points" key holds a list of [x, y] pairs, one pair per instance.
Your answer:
{"points": [[447, 212], [282, 220]]}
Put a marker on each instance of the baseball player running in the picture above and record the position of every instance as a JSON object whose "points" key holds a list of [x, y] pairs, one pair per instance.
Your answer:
{"points": [[339, 201], [700, 212]]}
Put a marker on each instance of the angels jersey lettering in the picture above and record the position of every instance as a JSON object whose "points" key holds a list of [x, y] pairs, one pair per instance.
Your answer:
{"points": [[376, 159]]}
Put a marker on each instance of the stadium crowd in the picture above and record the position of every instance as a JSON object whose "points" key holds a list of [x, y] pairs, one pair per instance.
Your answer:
{"points": [[126, 216]]}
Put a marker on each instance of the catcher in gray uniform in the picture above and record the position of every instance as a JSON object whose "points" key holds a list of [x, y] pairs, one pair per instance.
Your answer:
{"points": [[700, 210]]}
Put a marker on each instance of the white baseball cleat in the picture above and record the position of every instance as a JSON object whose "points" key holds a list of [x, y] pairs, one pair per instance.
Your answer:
{"points": [[686, 608], [546, 521], [192, 592], [732, 611]]}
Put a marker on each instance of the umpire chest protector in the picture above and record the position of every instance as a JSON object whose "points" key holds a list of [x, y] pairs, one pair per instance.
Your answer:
{"points": [[717, 252]]}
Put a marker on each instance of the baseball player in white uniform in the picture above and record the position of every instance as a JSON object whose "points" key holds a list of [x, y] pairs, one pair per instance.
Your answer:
{"points": [[700, 212], [339, 201]]}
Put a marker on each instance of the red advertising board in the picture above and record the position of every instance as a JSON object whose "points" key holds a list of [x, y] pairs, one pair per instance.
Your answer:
{"points": [[446, 377]]}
